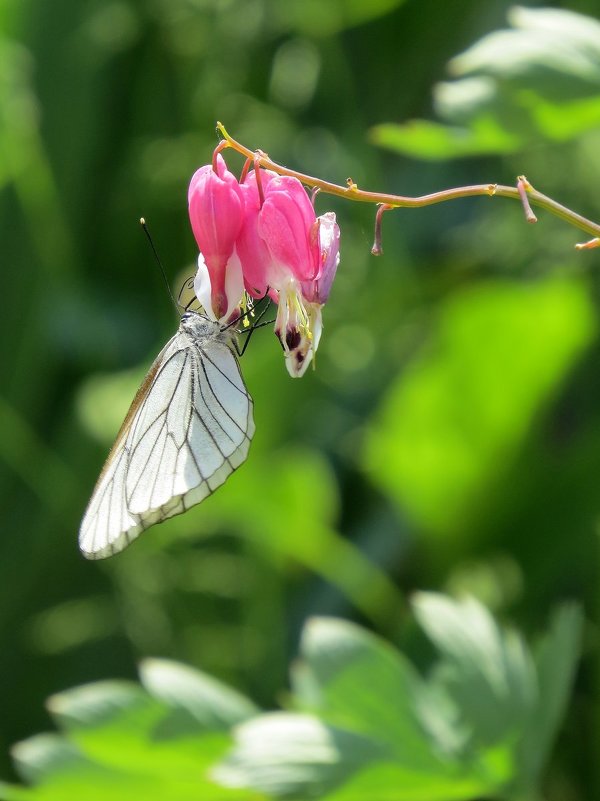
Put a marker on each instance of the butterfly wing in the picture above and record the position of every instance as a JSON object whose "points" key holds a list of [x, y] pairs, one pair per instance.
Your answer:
{"points": [[188, 429]]}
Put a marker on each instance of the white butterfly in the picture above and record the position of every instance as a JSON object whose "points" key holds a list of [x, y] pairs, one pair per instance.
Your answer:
{"points": [[188, 428]]}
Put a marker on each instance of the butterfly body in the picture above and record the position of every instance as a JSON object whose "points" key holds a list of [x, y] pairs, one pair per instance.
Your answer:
{"points": [[188, 428]]}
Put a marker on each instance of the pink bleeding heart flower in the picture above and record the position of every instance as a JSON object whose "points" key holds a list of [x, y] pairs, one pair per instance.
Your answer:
{"points": [[251, 248], [277, 240], [283, 247], [303, 330], [216, 208], [288, 226]]}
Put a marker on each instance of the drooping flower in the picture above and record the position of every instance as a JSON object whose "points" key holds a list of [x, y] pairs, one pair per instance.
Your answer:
{"points": [[216, 208], [251, 248], [286, 250], [263, 236], [288, 226], [299, 316], [278, 237]]}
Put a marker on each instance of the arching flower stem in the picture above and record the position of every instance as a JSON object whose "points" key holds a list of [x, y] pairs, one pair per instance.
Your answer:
{"points": [[352, 192]]}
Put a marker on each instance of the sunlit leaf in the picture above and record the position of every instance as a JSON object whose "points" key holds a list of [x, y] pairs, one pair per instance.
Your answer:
{"points": [[560, 42], [298, 755], [117, 736], [507, 695], [561, 121], [203, 703], [538, 78], [45, 756], [367, 719], [358, 685], [103, 704], [285, 754], [489, 671], [389, 781], [435, 141], [339, 656]]}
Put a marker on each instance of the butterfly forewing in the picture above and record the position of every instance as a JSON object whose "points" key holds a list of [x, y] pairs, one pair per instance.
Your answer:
{"points": [[189, 427]]}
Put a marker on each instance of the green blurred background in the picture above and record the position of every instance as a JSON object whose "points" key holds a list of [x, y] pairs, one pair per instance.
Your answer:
{"points": [[450, 436]]}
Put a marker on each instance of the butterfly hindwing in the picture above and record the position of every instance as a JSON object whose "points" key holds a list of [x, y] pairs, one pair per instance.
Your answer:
{"points": [[188, 429]]}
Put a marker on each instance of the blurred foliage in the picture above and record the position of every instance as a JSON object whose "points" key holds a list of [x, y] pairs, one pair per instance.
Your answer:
{"points": [[540, 79], [451, 422], [479, 725], [449, 438]]}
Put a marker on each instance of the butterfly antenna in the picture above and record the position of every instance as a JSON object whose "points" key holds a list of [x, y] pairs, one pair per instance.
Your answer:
{"points": [[160, 264]]}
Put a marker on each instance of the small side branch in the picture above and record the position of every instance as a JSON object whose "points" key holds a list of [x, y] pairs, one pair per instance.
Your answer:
{"points": [[592, 243], [377, 249], [523, 186]]}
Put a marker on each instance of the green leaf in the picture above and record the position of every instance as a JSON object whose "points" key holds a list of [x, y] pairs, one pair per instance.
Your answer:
{"points": [[290, 754], [454, 420], [118, 733], [298, 755], [434, 141], [102, 704], [488, 671], [46, 756], [388, 781], [511, 699], [472, 729], [546, 44], [363, 684], [367, 726], [198, 702], [561, 121], [61, 772], [556, 657], [539, 78]]}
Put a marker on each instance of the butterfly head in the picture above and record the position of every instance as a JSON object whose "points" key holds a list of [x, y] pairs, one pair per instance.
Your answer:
{"points": [[198, 327]]}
